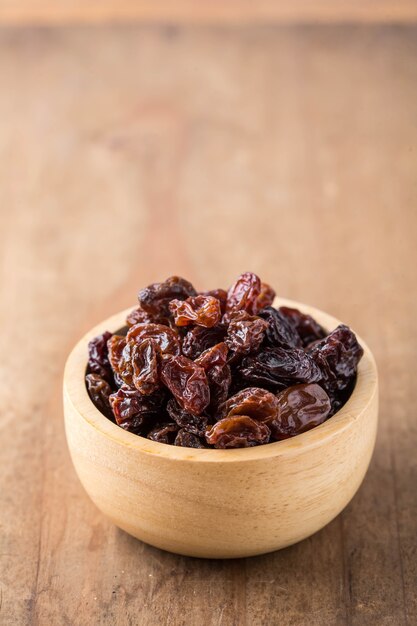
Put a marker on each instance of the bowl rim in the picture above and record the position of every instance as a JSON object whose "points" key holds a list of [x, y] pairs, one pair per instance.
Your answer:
{"points": [[75, 394]]}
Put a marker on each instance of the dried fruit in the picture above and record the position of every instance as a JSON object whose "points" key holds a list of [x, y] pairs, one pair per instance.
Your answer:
{"points": [[280, 331], [200, 310], [299, 408], [337, 356], [98, 359], [145, 364], [165, 433], [155, 298], [187, 382], [214, 363], [257, 403], [195, 424], [99, 391], [245, 333], [221, 296], [190, 359], [277, 368], [199, 339], [243, 294], [239, 431], [188, 440], [165, 338], [133, 411], [306, 327], [138, 316]]}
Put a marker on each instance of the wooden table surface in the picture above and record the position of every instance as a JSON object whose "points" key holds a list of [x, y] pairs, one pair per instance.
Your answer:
{"points": [[131, 153]]}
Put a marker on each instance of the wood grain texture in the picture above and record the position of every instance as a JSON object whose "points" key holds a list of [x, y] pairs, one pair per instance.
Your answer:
{"points": [[129, 154], [235, 12]]}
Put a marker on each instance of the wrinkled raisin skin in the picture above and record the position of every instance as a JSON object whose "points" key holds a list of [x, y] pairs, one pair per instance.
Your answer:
{"points": [[164, 433], [277, 368], [187, 382], [155, 298], [201, 310], [199, 339], [165, 338], [280, 333], [145, 365], [98, 357], [245, 333], [257, 403], [307, 327], [219, 376], [238, 431], [135, 412], [195, 424], [188, 440], [243, 294], [99, 391], [299, 408]]}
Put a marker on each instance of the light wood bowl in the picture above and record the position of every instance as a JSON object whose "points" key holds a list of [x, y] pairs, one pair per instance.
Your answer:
{"points": [[221, 503]]}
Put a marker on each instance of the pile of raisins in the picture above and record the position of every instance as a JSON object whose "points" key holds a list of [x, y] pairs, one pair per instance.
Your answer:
{"points": [[222, 369]]}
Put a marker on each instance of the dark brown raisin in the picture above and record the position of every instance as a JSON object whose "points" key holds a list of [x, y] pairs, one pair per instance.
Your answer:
{"points": [[164, 433], [337, 356], [138, 316], [214, 363], [199, 339], [98, 357], [120, 359], [188, 440], [239, 431], [276, 368], [243, 294], [99, 391], [265, 298], [165, 338], [306, 327], [259, 404], [300, 408], [200, 310], [135, 412], [280, 331], [145, 365], [195, 424], [155, 298], [245, 333], [187, 382]]}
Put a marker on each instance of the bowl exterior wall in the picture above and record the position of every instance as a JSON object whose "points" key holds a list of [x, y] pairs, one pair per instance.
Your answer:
{"points": [[223, 509]]}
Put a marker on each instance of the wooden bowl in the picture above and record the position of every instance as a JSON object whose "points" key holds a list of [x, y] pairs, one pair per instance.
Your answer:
{"points": [[221, 503]]}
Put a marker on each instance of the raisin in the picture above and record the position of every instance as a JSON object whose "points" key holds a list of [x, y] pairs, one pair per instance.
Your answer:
{"points": [[221, 296], [280, 332], [245, 332], [120, 360], [337, 356], [306, 327], [187, 382], [98, 357], [199, 339], [145, 366], [259, 404], [165, 338], [214, 363], [277, 368], [164, 433], [99, 391], [133, 411], [300, 408], [265, 298], [137, 316], [188, 440], [243, 294], [195, 424], [239, 431], [155, 298], [200, 310]]}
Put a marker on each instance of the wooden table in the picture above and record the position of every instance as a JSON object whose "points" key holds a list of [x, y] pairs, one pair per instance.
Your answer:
{"points": [[132, 153]]}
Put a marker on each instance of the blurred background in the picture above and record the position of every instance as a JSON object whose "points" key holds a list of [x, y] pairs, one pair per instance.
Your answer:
{"points": [[144, 139]]}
